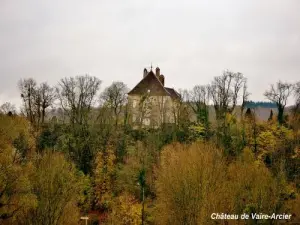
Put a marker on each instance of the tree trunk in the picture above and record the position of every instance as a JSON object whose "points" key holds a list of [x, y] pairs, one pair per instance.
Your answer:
{"points": [[280, 115]]}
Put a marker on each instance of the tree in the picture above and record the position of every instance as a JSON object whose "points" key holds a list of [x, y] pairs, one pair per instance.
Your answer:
{"points": [[245, 97], [225, 90], [104, 177], [58, 187], [189, 188], [180, 109], [45, 98], [28, 88], [297, 95], [198, 100], [279, 94], [188, 184], [77, 96], [36, 99], [252, 188], [126, 210], [15, 187], [7, 108], [115, 97], [271, 115]]}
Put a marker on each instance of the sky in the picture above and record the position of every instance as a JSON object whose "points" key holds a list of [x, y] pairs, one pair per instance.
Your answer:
{"points": [[191, 41]]}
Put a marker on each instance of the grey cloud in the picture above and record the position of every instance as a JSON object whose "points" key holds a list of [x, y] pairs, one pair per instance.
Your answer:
{"points": [[191, 41]]}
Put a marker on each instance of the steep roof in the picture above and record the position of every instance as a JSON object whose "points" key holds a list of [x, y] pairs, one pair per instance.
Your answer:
{"points": [[173, 93], [149, 82], [152, 83]]}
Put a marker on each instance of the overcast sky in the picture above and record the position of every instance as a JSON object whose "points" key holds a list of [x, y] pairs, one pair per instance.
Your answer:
{"points": [[191, 41]]}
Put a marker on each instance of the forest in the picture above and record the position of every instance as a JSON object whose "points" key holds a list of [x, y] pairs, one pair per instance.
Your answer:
{"points": [[71, 152]]}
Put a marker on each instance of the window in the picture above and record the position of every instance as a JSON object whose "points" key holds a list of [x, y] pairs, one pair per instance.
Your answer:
{"points": [[134, 103], [147, 121]]}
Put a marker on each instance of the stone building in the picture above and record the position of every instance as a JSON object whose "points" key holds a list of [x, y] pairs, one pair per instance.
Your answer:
{"points": [[151, 103]]}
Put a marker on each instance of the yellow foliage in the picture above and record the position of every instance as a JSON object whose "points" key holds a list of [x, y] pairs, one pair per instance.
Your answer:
{"points": [[197, 130], [16, 197], [195, 181], [273, 138], [230, 119], [12, 128], [189, 178], [126, 211], [57, 186], [251, 186], [104, 172]]}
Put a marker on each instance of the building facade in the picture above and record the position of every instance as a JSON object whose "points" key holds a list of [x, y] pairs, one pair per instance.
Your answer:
{"points": [[151, 103]]}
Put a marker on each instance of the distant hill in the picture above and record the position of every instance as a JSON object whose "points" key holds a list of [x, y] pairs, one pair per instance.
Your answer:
{"points": [[252, 104]]}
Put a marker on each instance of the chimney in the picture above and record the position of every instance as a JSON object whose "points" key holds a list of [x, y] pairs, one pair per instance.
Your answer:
{"points": [[145, 73], [162, 79], [157, 72]]}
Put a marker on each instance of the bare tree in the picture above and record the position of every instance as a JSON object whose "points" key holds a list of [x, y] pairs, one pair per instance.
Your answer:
{"points": [[77, 95], [198, 100], [297, 95], [180, 109], [43, 97], [279, 94], [28, 89], [36, 99], [7, 108], [47, 97], [115, 98], [225, 91], [245, 97]]}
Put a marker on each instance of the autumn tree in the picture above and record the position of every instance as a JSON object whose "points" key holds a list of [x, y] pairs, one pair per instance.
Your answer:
{"points": [[125, 210], [15, 187], [279, 94], [252, 187], [189, 188], [58, 187], [104, 179], [77, 95], [185, 175], [115, 98]]}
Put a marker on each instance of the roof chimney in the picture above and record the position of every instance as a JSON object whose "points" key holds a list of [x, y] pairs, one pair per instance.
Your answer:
{"points": [[162, 79], [157, 72], [145, 73]]}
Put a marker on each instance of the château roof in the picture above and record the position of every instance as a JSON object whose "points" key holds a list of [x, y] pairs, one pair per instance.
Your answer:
{"points": [[152, 83]]}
